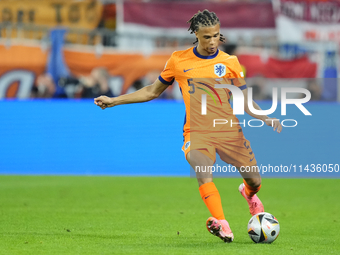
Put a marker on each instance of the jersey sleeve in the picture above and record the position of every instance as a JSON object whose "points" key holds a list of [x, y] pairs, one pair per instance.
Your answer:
{"points": [[167, 76], [237, 73]]}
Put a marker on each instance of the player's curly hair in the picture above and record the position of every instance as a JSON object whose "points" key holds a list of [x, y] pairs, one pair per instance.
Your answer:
{"points": [[203, 19]]}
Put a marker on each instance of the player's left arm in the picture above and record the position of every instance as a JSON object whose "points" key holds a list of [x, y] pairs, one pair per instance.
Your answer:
{"points": [[272, 122]]}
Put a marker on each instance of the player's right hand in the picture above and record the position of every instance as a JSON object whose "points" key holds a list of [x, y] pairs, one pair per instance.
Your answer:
{"points": [[104, 102]]}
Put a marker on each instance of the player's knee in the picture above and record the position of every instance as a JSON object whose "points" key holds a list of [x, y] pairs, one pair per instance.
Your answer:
{"points": [[197, 158], [202, 181], [253, 182]]}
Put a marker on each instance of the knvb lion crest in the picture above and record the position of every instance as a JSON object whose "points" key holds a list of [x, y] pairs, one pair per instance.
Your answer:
{"points": [[220, 70]]}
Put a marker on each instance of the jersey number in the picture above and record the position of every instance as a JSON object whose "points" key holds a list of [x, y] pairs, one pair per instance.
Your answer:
{"points": [[192, 86]]}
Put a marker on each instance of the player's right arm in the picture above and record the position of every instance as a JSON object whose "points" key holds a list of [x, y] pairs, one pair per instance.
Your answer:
{"points": [[143, 95]]}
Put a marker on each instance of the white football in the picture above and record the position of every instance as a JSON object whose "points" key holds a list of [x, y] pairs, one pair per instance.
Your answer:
{"points": [[263, 228]]}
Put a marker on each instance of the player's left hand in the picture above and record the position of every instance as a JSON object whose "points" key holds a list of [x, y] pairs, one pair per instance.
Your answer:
{"points": [[275, 123]]}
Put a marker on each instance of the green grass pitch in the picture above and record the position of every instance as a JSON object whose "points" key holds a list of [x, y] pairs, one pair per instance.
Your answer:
{"points": [[159, 215]]}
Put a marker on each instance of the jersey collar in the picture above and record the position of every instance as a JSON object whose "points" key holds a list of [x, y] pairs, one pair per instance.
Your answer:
{"points": [[205, 57]]}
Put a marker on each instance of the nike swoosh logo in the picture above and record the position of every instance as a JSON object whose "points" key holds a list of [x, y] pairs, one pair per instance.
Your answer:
{"points": [[187, 70], [207, 197], [251, 159]]}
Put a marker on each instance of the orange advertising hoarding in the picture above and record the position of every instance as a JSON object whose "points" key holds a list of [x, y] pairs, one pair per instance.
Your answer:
{"points": [[21, 65]]}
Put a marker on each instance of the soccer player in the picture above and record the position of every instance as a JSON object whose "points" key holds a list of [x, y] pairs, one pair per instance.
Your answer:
{"points": [[197, 71]]}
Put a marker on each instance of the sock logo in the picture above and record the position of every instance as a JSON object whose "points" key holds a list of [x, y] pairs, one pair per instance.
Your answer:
{"points": [[207, 197]]}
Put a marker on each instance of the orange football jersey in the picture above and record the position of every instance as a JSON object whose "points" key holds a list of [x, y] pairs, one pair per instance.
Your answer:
{"points": [[197, 75]]}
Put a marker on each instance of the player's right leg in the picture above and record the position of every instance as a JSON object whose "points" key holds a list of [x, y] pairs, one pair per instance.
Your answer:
{"points": [[238, 152], [216, 225], [248, 189]]}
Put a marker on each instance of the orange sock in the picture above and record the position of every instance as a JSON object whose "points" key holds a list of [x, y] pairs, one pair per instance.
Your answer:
{"points": [[250, 191], [212, 199]]}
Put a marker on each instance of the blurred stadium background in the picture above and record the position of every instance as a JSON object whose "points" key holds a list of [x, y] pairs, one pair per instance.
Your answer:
{"points": [[57, 55]]}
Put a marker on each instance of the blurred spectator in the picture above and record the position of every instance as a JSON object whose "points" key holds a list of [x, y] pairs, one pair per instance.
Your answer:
{"points": [[258, 85], [137, 85], [94, 85], [257, 42], [148, 79], [315, 89], [232, 49], [44, 87], [241, 42], [273, 44]]}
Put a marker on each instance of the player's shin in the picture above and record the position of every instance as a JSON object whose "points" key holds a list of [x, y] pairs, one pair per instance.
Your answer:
{"points": [[212, 199], [251, 188]]}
